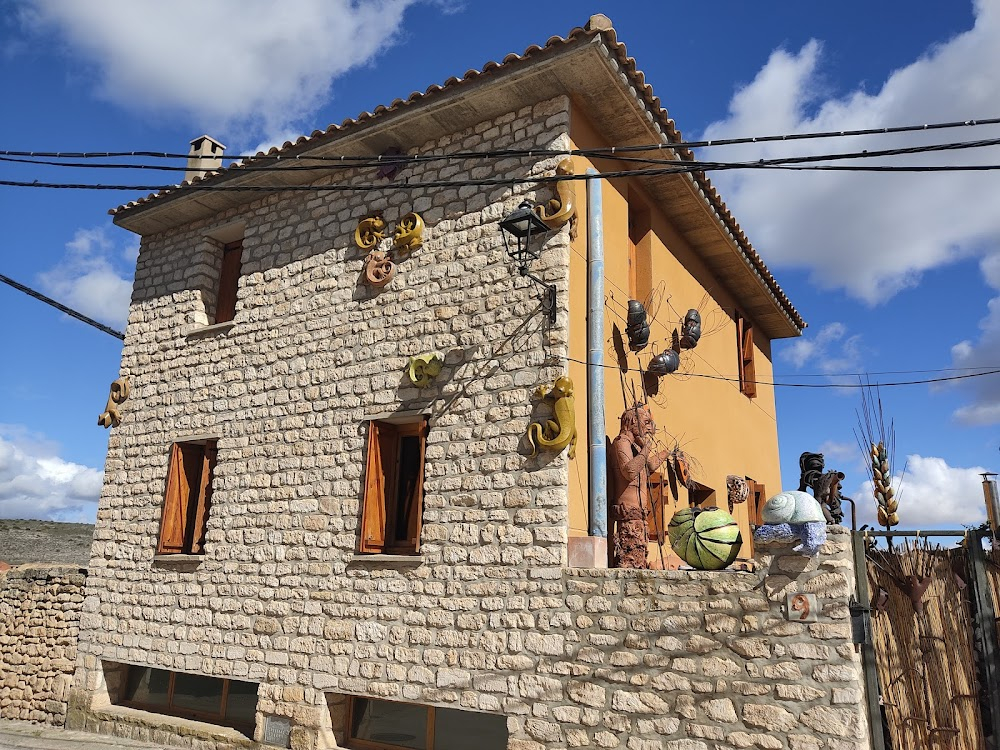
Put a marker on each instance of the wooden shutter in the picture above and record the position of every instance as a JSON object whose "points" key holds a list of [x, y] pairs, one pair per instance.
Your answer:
{"points": [[202, 500], [758, 496], [655, 522], [414, 496], [744, 341], [174, 505], [373, 510], [229, 278]]}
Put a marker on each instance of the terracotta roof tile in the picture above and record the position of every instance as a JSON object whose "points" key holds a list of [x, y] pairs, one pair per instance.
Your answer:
{"points": [[599, 25]]}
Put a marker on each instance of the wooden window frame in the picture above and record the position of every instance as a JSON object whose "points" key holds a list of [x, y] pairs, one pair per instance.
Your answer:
{"points": [[659, 500], [187, 499], [640, 261], [361, 744], [745, 356], [229, 281], [169, 709], [756, 499], [380, 492]]}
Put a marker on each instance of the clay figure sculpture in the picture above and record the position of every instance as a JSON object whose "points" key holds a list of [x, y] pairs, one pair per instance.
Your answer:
{"points": [[665, 363], [557, 211], [705, 538], [636, 327], [409, 233], [559, 431], [370, 232], [379, 269], [631, 462], [424, 368], [793, 515], [691, 330], [120, 390]]}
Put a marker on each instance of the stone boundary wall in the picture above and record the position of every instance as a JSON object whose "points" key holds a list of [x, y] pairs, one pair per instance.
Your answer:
{"points": [[39, 624], [680, 660]]}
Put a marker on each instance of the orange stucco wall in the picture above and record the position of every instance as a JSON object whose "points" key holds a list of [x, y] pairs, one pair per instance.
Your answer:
{"points": [[724, 431]]}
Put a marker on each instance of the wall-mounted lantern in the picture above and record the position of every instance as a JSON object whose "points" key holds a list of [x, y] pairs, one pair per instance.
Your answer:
{"points": [[522, 224]]}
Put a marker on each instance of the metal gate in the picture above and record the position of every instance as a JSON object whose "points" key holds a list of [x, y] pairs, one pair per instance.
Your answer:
{"points": [[925, 617]]}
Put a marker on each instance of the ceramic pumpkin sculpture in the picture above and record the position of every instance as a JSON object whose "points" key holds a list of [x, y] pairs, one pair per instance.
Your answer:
{"points": [[705, 538]]}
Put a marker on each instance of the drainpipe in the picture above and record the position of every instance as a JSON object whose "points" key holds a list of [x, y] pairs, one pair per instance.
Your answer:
{"points": [[595, 361]]}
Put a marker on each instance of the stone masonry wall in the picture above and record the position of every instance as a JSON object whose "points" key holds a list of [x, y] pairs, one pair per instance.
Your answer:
{"points": [[280, 597], [39, 623], [644, 660]]}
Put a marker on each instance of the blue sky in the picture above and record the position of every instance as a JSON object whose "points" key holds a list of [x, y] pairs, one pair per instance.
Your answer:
{"points": [[893, 272]]}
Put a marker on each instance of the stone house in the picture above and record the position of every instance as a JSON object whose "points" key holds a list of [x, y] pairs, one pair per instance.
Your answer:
{"points": [[298, 545]]}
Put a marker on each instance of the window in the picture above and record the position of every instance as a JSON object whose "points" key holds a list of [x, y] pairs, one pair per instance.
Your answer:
{"points": [[756, 500], [387, 725], [189, 495], [226, 702], [701, 495], [393, 490], [229, 278], [640, 261], [744, 343], [656, 522]]}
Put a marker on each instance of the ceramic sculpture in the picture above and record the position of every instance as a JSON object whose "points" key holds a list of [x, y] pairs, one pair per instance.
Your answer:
{"points": [[705, 538], [793, 515]]}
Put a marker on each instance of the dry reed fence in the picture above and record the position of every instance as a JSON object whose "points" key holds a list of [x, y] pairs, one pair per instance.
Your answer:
{"points": [[993, 576], [925, 656]]}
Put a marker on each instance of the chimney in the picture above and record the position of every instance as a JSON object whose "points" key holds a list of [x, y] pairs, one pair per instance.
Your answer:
{"points": [[204, 156]]}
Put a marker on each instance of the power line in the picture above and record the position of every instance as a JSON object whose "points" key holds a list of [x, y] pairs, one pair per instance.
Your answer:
{"points": [[118, 335], [613, 154], [574, 152], [989, 369], [62, 308], [796, 385], [687, 167]]}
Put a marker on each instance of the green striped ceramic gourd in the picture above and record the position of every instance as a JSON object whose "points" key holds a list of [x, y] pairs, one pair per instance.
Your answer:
{"points": [[705, 538]]}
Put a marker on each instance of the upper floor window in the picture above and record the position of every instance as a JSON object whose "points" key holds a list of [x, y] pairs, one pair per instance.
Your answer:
{"points": [[188, 497], [640, 256], [744, 343], [394, 487], [229, 278]]}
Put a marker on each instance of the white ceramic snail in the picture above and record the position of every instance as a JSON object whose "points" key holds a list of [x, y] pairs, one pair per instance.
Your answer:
{"points": [[793, 515], [792, 507]]}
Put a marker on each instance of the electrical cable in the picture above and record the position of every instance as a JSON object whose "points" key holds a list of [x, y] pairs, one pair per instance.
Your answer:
{"points": [[798, 385], [62, 308], [491, 182], [986, 369], [685, 165], [573, 152]]}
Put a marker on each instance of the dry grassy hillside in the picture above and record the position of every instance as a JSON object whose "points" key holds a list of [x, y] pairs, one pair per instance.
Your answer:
{"points": [[45, 541]]}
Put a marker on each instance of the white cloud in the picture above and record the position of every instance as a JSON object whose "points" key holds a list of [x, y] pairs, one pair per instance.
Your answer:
{"points": [[252, 64], [830, 350], [93, 277], [835, 451], [36, 483], [870, 234], [932, 495], [984, 353]]}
